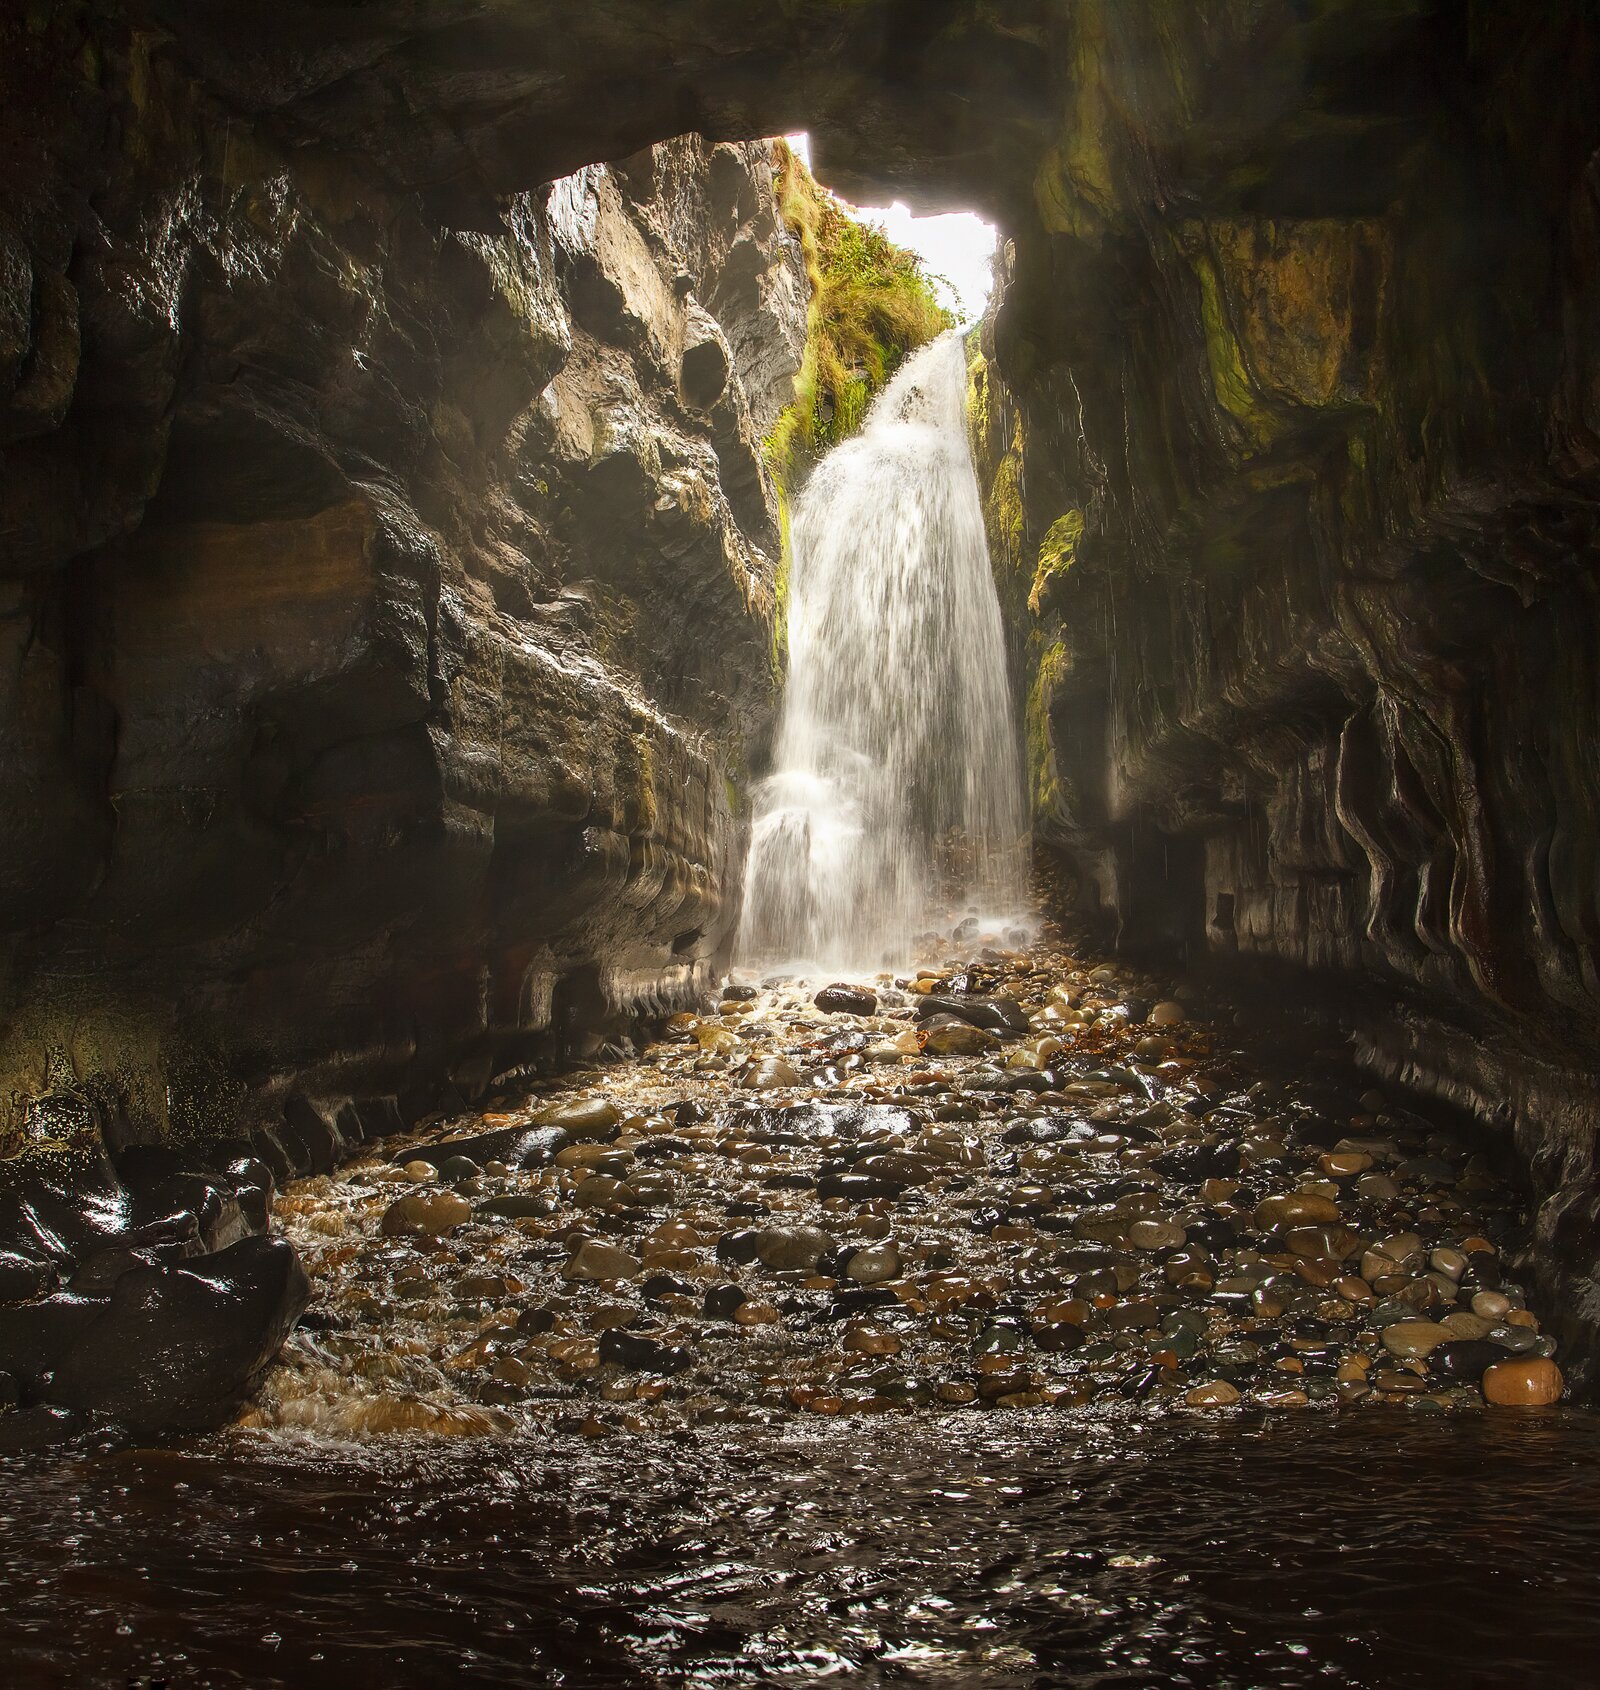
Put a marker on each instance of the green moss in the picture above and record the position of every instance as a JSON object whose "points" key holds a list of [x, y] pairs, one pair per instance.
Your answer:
{"points": [[1057, 555], [996, 432], [1044, 785], [871, 305], [1230, 378], [1073, 189]]}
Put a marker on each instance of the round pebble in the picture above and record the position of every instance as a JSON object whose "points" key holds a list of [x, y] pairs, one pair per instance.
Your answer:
{"points": [[1529, 1381], [1217, 1393]]}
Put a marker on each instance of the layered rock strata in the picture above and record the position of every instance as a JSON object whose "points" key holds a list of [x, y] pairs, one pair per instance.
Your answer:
{"points": [[386, 603], [1288, 423]]}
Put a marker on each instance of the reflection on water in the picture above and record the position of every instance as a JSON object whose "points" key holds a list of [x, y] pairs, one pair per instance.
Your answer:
{"points": [[1382, 1549]]}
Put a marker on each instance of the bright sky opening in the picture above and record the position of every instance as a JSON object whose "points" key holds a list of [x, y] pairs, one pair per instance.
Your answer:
{"points": [[956, 248]]}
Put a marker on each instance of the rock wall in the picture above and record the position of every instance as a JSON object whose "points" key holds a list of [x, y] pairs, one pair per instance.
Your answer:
{"points": [[386, 603], [1288, 422]]}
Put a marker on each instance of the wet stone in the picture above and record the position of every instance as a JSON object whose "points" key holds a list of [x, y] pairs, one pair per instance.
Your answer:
{"points": [[1517, 1339], [873, 1265], [594, 1260], [1215, 1393], [1414, 1337], [1527, 1382], [584, 1120], [641, 1354], [959, 1039], [426, 1213], [723, 1302], [789, 1248], [1465, 1359], [771, 1073]]}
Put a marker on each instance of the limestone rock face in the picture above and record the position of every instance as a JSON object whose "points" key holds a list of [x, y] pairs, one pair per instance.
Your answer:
{"points": [[386, 603]]}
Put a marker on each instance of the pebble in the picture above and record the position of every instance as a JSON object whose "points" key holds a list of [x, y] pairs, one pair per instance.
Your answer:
{"points": [[1217, 1393], [1459, 1324], [1169, 1013], [771, 1073], [1465, 1359], [594, 1260], [582, 1119], [421, 1214], [1294, 1209], [958, 1039], [600, 1191], [1517, 1339], [788, 1248], [873, 1265], [1530, 1381], [1156, 1235], [642, 1354], [1344, 1164], [846, 1000], [1414, 1337], [871, 1341], [723, 1302], [1401, 1252], [1451, 1263]]}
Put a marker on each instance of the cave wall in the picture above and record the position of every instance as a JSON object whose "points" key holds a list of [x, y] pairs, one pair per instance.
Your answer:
{"points": [[1287, 418], [1287, 411], [385, 603]]}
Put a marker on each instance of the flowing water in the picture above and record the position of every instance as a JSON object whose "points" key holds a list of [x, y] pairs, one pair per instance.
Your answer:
{"points": [[897, 753], [1383, 1552]]}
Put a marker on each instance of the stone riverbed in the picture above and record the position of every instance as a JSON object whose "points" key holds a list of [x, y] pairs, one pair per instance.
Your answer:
{"points": [[1012, 1182]]}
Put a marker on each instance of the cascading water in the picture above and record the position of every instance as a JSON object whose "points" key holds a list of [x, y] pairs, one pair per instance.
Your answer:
{"points": [[897, 782]]}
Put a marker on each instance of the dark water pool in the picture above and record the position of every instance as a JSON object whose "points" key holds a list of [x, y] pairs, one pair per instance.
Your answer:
{"points": [[1376, 1549]]}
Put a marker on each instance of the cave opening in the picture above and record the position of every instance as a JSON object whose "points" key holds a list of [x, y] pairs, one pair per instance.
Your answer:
{"points": [[461, 477]]}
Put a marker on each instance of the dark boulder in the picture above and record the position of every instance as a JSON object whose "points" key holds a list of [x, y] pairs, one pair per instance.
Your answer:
{"points": [[993, 1015], [182, 1347]]}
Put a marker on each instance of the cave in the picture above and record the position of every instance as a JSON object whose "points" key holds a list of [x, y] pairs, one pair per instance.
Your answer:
{"points": [[402, 430]]}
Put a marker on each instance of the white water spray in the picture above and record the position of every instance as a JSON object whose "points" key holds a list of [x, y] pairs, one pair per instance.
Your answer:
{"points": [[898, 784]]}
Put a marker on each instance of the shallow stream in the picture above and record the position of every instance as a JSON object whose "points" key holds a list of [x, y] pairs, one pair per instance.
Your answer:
{"points": [[1380, 1549]]}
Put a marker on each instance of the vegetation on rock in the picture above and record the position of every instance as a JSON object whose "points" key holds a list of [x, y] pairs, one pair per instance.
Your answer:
{"points": [[871, 305]]}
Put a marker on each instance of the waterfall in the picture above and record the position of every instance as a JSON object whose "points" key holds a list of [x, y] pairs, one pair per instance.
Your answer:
{"points": [[896, 796]]}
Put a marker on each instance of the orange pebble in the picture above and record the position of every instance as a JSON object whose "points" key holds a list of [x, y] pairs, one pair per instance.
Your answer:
{"points": [[1524, 1381]]}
